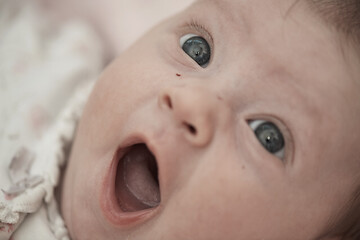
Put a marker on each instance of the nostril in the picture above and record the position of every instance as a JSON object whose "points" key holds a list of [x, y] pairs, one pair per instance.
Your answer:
{"points": [[168, 101], [191, 128]]}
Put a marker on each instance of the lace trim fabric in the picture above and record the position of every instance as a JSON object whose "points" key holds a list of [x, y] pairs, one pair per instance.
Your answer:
{"points": [[35, 173]]}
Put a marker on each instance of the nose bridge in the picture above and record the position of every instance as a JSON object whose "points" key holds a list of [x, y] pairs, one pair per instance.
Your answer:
{"points": [[194, 109]]}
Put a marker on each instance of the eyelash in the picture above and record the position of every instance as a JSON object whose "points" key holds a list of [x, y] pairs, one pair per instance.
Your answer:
{"points": [[201, 30]]}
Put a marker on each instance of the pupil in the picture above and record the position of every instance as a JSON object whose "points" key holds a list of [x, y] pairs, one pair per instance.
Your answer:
{"points": [[198, 49], [270, 137]]}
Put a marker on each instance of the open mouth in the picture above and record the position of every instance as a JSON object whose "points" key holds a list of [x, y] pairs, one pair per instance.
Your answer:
{"points": [[136, 183]]}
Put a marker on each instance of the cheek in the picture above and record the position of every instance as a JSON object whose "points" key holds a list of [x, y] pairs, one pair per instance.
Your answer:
{"points": [[223, 200], [115, 96], [220, 201]]}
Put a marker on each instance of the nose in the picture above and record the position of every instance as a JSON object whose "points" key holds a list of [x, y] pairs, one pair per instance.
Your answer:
{"points": [[193, 110]]}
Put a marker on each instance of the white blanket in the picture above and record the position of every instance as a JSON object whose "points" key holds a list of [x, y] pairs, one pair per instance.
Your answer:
{"points": [[41, 65]]}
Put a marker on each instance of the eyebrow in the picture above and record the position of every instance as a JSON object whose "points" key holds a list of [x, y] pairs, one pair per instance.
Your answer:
{"points": [[292, 6], [225, 11], [219, 5]]}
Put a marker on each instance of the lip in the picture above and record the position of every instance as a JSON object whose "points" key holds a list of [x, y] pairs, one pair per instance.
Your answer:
{"points": [[108, 201]]}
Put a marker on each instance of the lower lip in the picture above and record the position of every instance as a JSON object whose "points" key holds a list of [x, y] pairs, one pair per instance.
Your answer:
{"points": [[108, 201]]}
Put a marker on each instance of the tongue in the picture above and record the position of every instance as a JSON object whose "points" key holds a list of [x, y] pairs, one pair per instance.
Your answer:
{"points": [[139, 185]]}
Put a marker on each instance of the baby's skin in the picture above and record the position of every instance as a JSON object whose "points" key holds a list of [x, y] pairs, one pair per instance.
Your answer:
{"points": [[251, 112]]}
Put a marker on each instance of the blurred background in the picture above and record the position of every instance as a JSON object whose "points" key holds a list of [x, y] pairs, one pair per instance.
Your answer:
{"points": [[49, 48], [119, 22]]}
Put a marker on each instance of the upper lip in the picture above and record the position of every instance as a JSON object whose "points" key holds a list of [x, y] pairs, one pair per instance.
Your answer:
{"points": [[108, 201]]}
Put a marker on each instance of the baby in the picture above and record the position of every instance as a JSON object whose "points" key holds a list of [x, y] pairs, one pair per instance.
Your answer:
{"points": [[231, 120]]}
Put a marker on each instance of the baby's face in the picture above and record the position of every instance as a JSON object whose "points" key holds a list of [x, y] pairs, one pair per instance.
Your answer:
{"points": [[253, 126]]}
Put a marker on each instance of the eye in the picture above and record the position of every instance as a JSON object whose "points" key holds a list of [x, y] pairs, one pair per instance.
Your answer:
{"points": [[197, 48], [269, 136]]}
